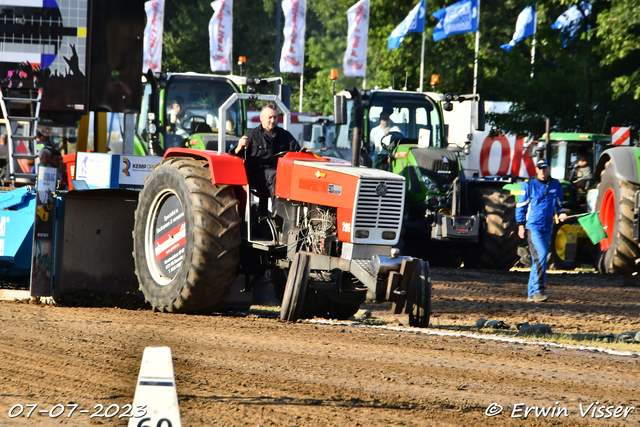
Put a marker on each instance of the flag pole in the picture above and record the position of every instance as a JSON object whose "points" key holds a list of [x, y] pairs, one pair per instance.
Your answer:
{"points": [[533, 42], [475, 78], [422, 64], [475, 61], [301, 89]]}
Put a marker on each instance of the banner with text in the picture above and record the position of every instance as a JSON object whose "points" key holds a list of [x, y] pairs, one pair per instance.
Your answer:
{"points": [[152, 59], [220, 35], [292, 57], [355, 58]]}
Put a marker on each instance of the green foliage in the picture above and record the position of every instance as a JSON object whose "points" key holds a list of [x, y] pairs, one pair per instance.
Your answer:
{"points": [[587, 86], [619, 29]]}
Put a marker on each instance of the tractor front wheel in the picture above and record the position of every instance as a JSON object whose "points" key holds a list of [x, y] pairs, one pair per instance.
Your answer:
{"points": [[421, 307], [296, 288]]}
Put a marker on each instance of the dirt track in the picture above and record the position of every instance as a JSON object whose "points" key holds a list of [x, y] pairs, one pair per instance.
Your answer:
{"points": [[258, 371]]}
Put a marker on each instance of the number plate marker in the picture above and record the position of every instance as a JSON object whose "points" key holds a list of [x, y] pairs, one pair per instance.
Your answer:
{"points": [[156, 389]]}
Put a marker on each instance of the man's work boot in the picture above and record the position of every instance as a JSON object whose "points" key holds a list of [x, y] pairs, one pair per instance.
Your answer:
{"points": [[537, 297]]}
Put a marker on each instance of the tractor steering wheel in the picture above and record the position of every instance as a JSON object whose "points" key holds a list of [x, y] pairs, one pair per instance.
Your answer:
{"points": [[191, 120], [390, 141]]}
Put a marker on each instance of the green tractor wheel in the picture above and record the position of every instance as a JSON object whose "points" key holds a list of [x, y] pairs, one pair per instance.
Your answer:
{"points": [[616, 206]]}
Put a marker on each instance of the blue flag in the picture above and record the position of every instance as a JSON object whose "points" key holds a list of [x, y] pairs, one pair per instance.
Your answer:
{"points": [[525, 27], [569, 22], [461, 17], [413, 23]]}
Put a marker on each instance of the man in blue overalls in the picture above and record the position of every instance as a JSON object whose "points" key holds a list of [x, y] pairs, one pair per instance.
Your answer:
{"points": [[540, 200]]}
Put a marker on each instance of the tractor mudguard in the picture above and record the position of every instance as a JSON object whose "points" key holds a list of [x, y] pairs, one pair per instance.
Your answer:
{"points": [[626, 160], [225, 169]]}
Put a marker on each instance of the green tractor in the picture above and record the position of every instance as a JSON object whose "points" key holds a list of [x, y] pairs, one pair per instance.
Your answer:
{"points": [[188, 110], [449, 218]]}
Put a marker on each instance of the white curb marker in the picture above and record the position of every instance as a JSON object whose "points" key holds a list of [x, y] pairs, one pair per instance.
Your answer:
{"points": [[156, 389]]}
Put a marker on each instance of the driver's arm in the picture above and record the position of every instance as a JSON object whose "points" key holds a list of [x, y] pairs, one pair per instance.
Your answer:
{"points": [[242, 144]]}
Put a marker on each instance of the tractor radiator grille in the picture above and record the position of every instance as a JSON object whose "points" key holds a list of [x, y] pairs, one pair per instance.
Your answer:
{"points": [[375, 211]]}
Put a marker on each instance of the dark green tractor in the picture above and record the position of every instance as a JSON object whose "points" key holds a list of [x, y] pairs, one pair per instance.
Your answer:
{"points": [[450, 218]]}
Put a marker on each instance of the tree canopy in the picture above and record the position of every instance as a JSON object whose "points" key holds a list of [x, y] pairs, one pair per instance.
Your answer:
{"points": [[587, 85]]}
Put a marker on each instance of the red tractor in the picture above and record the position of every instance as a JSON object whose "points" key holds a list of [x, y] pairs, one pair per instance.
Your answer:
{"points": [[330, 243]]}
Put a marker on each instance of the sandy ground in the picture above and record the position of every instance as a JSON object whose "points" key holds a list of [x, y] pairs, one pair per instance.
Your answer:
{"points": [[256, 371]]}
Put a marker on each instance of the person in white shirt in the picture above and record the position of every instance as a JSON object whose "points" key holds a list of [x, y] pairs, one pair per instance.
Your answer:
{"points": [[385, 127]]}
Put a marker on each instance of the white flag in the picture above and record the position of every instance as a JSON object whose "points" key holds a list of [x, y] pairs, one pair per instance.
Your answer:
{"points": [[355, 58], [152, 58], [220, 35], [292, 57]]}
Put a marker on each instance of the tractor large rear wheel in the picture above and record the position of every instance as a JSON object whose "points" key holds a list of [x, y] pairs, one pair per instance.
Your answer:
{"points": [[498, 245], [186, 238], [616, 206]]}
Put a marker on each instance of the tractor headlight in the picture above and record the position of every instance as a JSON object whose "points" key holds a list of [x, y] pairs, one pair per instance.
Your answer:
{"points": [[430, 184], [152, 128]]}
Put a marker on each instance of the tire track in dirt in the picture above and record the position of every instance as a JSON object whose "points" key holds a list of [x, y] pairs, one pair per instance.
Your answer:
{"points": [[256, 371]]}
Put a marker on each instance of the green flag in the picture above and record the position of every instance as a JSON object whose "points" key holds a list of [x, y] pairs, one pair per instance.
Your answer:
{"points": [[593, 227]]}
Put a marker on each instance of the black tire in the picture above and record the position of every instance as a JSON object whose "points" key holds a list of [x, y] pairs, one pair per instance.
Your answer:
{"points": [[296, 288], [498, 245], [421, 307], [208, 240], [617, 195]]}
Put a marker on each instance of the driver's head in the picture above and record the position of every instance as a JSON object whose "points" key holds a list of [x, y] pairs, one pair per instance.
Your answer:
{"points": [[178, 103], [384, 117], [269, 116]]}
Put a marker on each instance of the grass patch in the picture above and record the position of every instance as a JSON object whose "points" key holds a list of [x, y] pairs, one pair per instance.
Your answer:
{"points": [[577, 340]]}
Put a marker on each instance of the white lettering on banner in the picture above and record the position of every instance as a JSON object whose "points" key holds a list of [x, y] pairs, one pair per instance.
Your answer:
{"points": [[292, 57], [220, 35], [152, 43], [355, 58]]}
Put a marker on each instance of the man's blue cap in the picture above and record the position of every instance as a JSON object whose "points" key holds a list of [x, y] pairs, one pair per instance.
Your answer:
{"points": [[542, 163]]}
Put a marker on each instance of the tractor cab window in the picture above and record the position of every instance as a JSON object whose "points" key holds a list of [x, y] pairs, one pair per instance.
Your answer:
{"points": [[408, 117], [191, 106], [344, 135], [559, 161]]}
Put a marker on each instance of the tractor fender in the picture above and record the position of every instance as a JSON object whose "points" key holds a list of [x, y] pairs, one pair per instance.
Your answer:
{"points": [[225, 169], [626, 161]]}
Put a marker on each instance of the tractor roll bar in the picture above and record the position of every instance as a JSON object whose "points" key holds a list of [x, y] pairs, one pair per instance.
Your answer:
{"points": [[222, 114]]}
